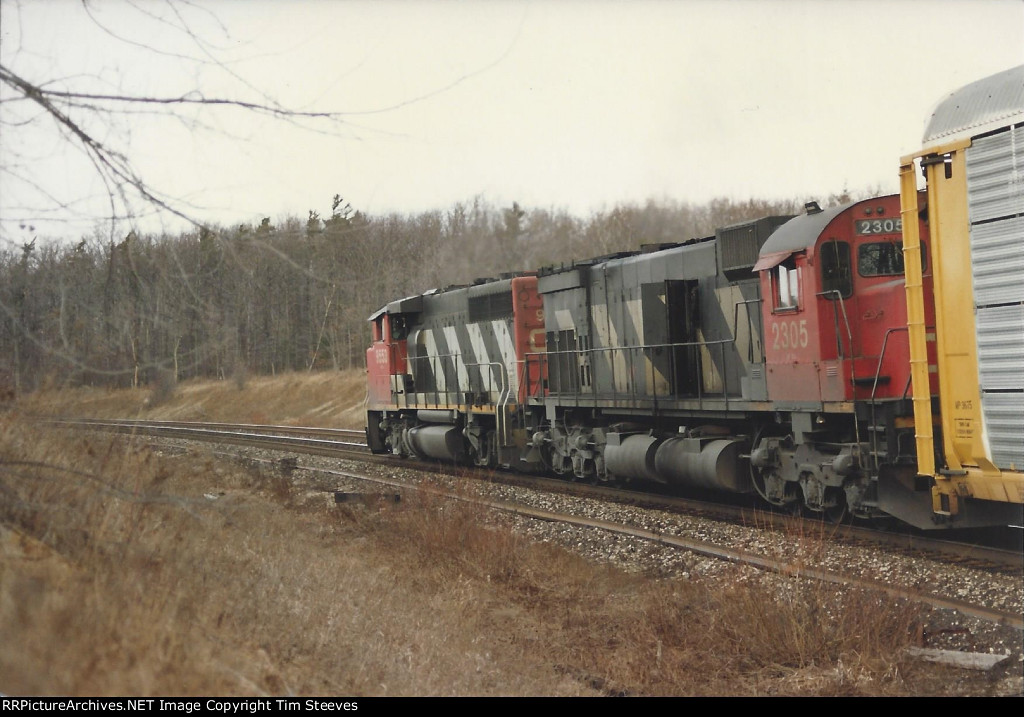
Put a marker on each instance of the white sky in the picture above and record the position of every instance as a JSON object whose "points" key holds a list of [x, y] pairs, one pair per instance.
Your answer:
{"points": [[575, 105]]}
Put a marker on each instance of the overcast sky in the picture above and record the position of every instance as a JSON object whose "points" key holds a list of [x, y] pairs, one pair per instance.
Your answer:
{"points": [[574, 105]]}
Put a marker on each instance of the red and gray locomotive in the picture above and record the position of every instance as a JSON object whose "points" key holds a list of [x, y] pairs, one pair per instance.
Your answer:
{"points": [[771, 357]]}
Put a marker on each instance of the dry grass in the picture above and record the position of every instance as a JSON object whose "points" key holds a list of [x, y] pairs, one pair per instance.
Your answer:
{"points": [[330, 398], [140, 583], [627, 634], [124, 571]]}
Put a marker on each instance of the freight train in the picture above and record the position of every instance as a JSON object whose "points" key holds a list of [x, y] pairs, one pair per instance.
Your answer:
{"points": [[865, 359]]}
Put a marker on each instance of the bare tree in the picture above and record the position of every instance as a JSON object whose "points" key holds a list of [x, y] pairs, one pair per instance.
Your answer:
{"points": [[47, 110], [43, 106]]}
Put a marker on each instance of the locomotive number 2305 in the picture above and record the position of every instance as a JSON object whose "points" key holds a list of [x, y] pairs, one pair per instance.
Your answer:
{"points": [[789, 334], [879, 226]]}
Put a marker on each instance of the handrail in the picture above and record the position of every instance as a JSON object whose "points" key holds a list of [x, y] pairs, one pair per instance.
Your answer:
{"points": [[881, 355], [874, 391], [500, 416], [547, 357], [454, 383]]}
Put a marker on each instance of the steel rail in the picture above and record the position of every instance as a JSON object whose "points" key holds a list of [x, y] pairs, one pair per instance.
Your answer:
{"points": [[257, 428]]}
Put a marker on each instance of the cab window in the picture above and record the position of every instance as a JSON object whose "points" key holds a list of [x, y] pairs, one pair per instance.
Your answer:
{"points": [[786, 289], [884, 259]]}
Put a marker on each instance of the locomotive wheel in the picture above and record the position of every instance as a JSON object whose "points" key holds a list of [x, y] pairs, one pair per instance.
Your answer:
{"points": [[757, 475], [837, 513], [834, 515], [757, 479]]}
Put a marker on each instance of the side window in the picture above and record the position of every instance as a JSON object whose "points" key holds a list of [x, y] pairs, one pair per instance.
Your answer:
{"points": [[399, 329], [786, 278], [836, 274], [884, 259]]}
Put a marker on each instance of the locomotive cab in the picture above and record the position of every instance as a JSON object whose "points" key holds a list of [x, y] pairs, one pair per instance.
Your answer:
{"points": [[385, 355], [837, 358], [834, 306], [386, 359], [387, 362]]}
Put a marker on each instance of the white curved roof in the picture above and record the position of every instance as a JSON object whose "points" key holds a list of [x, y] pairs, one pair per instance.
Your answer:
{"points": [[979, 107]]}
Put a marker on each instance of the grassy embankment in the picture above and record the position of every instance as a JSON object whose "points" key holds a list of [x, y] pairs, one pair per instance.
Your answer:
{"points": [[124, 570]]}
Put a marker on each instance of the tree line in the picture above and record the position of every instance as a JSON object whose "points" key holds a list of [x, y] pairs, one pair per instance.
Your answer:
{"points": [[229, 301]]}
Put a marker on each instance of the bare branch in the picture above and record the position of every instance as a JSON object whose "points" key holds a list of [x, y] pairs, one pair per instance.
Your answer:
{"points": [[195, 98]]}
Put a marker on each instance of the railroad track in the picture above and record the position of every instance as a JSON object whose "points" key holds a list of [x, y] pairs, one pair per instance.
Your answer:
{"points": [[707, 549], [300, 439], [328, 442]]}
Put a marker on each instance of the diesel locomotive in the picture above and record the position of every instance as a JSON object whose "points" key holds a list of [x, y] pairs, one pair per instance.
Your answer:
{"points": [[864, 359]]}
